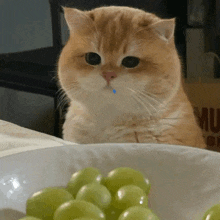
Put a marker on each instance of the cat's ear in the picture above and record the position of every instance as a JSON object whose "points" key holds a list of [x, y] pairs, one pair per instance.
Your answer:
{"points": [[164, 28], [76, 19]]}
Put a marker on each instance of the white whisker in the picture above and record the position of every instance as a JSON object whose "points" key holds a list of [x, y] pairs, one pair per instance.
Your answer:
{"points": [[141, 102], [62, 94], [148, 100], [146, 96], [151, 96], [133, 96], [62, 100]]}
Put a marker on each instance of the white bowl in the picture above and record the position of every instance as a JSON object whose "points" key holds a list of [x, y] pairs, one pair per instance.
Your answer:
{"points": [[185, 181]]}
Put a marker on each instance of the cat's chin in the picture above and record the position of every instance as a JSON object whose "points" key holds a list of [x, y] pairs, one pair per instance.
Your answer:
{"points": [[108, 88], [95, 89]]}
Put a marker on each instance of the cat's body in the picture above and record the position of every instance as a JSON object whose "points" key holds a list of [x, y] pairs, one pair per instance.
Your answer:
{"points": [[138, 59]]}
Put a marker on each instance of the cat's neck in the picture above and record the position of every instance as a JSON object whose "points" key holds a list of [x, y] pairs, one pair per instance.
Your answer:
{"points": [[107, 115]]}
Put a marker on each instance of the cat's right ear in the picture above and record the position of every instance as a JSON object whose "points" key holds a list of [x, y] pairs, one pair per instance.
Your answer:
{"points": [[76, 19], [164, 28]]}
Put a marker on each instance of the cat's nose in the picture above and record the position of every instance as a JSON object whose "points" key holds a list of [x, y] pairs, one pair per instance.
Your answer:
{"points": [[109, 76]]}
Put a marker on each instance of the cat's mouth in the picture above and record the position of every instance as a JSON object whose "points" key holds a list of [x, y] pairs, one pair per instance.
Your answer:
{"points": [[108, 87]]}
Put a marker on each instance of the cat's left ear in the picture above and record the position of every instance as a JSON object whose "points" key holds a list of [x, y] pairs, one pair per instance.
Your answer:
{"points": [[164, 28]]}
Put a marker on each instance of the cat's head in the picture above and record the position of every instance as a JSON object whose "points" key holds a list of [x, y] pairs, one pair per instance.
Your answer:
{"points": [[120, 48]]}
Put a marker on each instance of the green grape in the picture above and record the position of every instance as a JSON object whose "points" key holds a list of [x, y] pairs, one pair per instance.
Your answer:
{"points": [[213, 213], [29, 218], [138, 213], [103, 181], [130, 195], [78, 209], [125, 176], [148, 186], [96, 194], [44, 203], [83, 177], [85, 219], [112, 213]]}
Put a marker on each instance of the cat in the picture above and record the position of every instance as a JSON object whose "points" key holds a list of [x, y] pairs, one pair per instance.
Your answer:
{"points": [[122, 74]]}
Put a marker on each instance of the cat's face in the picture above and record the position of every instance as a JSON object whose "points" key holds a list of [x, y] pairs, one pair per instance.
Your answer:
{"points": [[119, 48]]}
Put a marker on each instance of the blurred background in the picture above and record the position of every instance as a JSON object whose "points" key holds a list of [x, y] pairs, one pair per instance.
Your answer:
{"points": [[32, 33]]}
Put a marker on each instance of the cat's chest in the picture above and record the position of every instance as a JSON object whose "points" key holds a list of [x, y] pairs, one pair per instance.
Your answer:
{"points": [[115, 129], [124, 131]]}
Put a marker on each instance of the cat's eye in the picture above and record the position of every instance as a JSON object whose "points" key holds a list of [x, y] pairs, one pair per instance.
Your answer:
{"points": [[93, 58], [130, 62]]}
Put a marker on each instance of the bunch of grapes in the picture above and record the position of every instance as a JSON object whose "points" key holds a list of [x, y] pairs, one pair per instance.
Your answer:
{"points": [[122, 195]]}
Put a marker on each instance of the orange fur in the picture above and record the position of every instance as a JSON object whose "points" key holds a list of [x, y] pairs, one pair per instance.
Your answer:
{"points": [[150, 105]]}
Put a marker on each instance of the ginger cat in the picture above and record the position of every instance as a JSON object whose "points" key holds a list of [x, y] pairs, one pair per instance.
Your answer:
{"points": [[122, 74]]}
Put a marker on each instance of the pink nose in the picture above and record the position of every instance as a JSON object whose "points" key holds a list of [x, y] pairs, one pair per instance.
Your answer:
{"points": [[109, 76]]}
